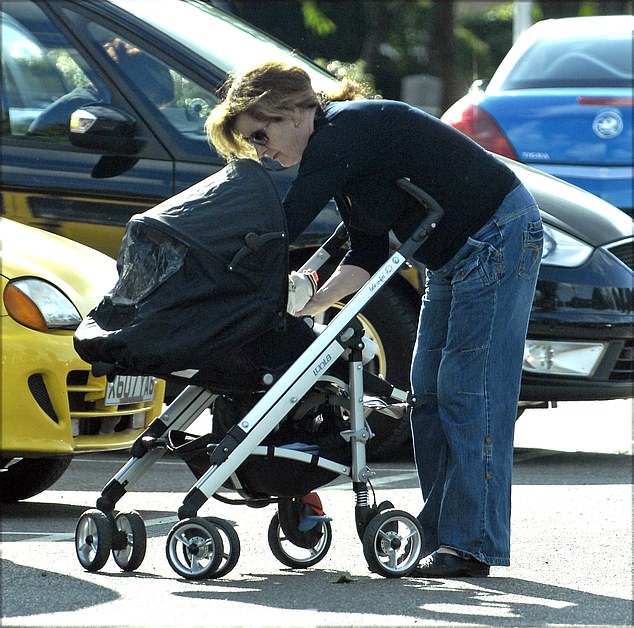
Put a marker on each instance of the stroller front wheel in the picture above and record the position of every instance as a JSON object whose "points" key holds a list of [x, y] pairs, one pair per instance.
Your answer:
{"points": [[194, 548], [392, 543], [93, 539], [231, 547], [292, 555], [130, 540]]}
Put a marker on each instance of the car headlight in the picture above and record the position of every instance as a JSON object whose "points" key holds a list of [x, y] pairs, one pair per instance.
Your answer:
{"points": [[579, 359], [561, 249], [39, 305]]}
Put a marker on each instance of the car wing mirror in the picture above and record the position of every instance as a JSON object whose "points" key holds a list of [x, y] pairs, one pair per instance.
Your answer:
{"points": [[104, 128]]}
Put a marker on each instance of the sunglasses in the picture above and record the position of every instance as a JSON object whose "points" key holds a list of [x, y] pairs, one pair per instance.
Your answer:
{"points": [[259, 137]]}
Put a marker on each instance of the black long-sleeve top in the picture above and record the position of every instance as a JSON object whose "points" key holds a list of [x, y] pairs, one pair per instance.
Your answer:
{"points": [[360, 148]]}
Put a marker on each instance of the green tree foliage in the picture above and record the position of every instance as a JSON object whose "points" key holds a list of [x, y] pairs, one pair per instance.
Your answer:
{"points": [[316, 20]]}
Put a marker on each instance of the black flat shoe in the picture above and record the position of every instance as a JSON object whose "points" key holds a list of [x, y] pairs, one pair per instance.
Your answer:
{"points": [[449, 566]]}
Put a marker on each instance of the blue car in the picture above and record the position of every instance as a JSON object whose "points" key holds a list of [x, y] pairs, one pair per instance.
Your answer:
{"points": [[561, 101]]}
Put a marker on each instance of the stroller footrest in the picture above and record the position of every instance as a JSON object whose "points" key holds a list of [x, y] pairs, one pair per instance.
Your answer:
{"points": [[312, 521]]}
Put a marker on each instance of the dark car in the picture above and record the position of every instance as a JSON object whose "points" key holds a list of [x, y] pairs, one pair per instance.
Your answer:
{"points": [[103, 111]]}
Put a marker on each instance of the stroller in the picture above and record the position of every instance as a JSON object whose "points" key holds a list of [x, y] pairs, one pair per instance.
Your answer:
{"points": [[283, 425]]}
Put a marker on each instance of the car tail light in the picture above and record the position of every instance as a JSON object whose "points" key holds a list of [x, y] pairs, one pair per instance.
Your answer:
{"points": [[476, 123]]}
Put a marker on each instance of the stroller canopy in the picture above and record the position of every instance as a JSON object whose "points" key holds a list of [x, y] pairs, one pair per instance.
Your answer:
{"points": [[200, 274]]}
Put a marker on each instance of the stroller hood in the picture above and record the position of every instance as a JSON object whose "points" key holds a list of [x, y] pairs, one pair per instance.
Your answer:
{"points": [[200, 275], [221, 208]]}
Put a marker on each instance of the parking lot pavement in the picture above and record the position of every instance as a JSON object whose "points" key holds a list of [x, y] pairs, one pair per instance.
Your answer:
{"points": [[571, 562], [571, 524]]}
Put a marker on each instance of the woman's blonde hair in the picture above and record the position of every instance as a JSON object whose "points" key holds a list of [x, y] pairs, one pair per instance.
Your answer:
{"points": [[268, 91]]}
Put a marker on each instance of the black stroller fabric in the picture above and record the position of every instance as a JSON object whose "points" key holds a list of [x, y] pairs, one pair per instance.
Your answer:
{"points": [[203, 284], [313, 427], [201, 276]]}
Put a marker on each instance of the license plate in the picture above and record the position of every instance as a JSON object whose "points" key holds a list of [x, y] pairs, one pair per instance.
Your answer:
{"points": [[129, 389]]}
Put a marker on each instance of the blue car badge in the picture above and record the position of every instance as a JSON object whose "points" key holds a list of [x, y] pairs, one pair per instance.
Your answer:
{"points": [[607, 124]]}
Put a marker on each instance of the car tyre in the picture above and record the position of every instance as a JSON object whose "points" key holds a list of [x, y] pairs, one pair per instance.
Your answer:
{"points": [[25, 477], [392, 322]]}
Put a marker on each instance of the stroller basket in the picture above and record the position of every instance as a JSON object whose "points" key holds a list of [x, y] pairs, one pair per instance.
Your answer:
{"points": [[263, 474], [303, 427], [311, 429]]}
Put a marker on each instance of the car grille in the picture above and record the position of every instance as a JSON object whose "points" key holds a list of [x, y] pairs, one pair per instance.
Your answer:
{"points": [[623, 370], [625, 252], [89, 415]]}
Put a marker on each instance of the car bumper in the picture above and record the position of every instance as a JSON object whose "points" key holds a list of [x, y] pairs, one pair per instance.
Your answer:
{"points": [[51, 403], [595, 322]]}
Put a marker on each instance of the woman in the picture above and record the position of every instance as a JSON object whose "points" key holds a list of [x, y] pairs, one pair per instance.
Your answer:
{"points": [[482, 263]]}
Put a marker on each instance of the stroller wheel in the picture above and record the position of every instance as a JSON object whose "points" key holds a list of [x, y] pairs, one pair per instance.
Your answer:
{"points": [[93, 539], [392, 543], [194, 548], [293, 556], [130, 540], [231, 547]]}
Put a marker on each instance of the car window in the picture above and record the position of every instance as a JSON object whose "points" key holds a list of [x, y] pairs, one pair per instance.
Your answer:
{"points": [[180, 101], [228, 44], [580, 61], [44, 76]]}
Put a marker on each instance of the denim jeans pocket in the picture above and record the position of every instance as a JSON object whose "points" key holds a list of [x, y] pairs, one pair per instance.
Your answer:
{"points": [[483, 266], [532, 244]]}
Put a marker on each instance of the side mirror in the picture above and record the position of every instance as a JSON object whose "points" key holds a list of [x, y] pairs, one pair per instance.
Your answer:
{"points": [[104, 128]]}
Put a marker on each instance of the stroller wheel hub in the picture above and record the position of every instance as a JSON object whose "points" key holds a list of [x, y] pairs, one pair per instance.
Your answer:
{"points": [[392, 543], [195, 549]]}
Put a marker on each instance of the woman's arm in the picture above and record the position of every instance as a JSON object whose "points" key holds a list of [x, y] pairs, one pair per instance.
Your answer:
{"points": [[345, 280]]}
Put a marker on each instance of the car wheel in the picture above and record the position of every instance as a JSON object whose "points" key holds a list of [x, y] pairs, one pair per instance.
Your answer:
{"points": [[391, 322], [21, 478]]}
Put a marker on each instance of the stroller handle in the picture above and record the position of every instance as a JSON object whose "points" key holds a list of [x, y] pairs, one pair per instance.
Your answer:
{"points": [[434, 215], [336, 240]]}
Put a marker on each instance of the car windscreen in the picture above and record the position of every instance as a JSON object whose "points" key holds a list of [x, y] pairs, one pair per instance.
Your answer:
{"points": [[222, 39], [581, 60]]}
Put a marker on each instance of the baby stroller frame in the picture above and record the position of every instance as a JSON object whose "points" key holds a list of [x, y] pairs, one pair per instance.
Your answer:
{"points": [[209, 547]]}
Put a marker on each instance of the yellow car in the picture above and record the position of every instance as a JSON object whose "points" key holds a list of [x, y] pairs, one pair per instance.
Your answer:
{"points": [[51, 405]]}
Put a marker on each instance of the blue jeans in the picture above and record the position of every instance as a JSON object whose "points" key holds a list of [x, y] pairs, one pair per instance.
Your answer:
{"points": [[466, 374]]}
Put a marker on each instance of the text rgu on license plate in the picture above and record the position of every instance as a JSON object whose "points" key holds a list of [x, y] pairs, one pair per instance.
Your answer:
{"points": [[129, 389]]}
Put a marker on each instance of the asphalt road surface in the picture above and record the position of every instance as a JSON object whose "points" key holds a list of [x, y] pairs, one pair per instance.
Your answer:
{"points": [[571, 562]]}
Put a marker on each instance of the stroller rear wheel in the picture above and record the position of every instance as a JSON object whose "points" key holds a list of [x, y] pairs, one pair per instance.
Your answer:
{"points": [[292, 555], [392, 543], [93, 539], [194, 548], [130, 540]]}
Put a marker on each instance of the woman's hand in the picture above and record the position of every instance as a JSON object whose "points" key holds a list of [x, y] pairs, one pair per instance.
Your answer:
{"points": [[301, 288], [344, 281]]}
